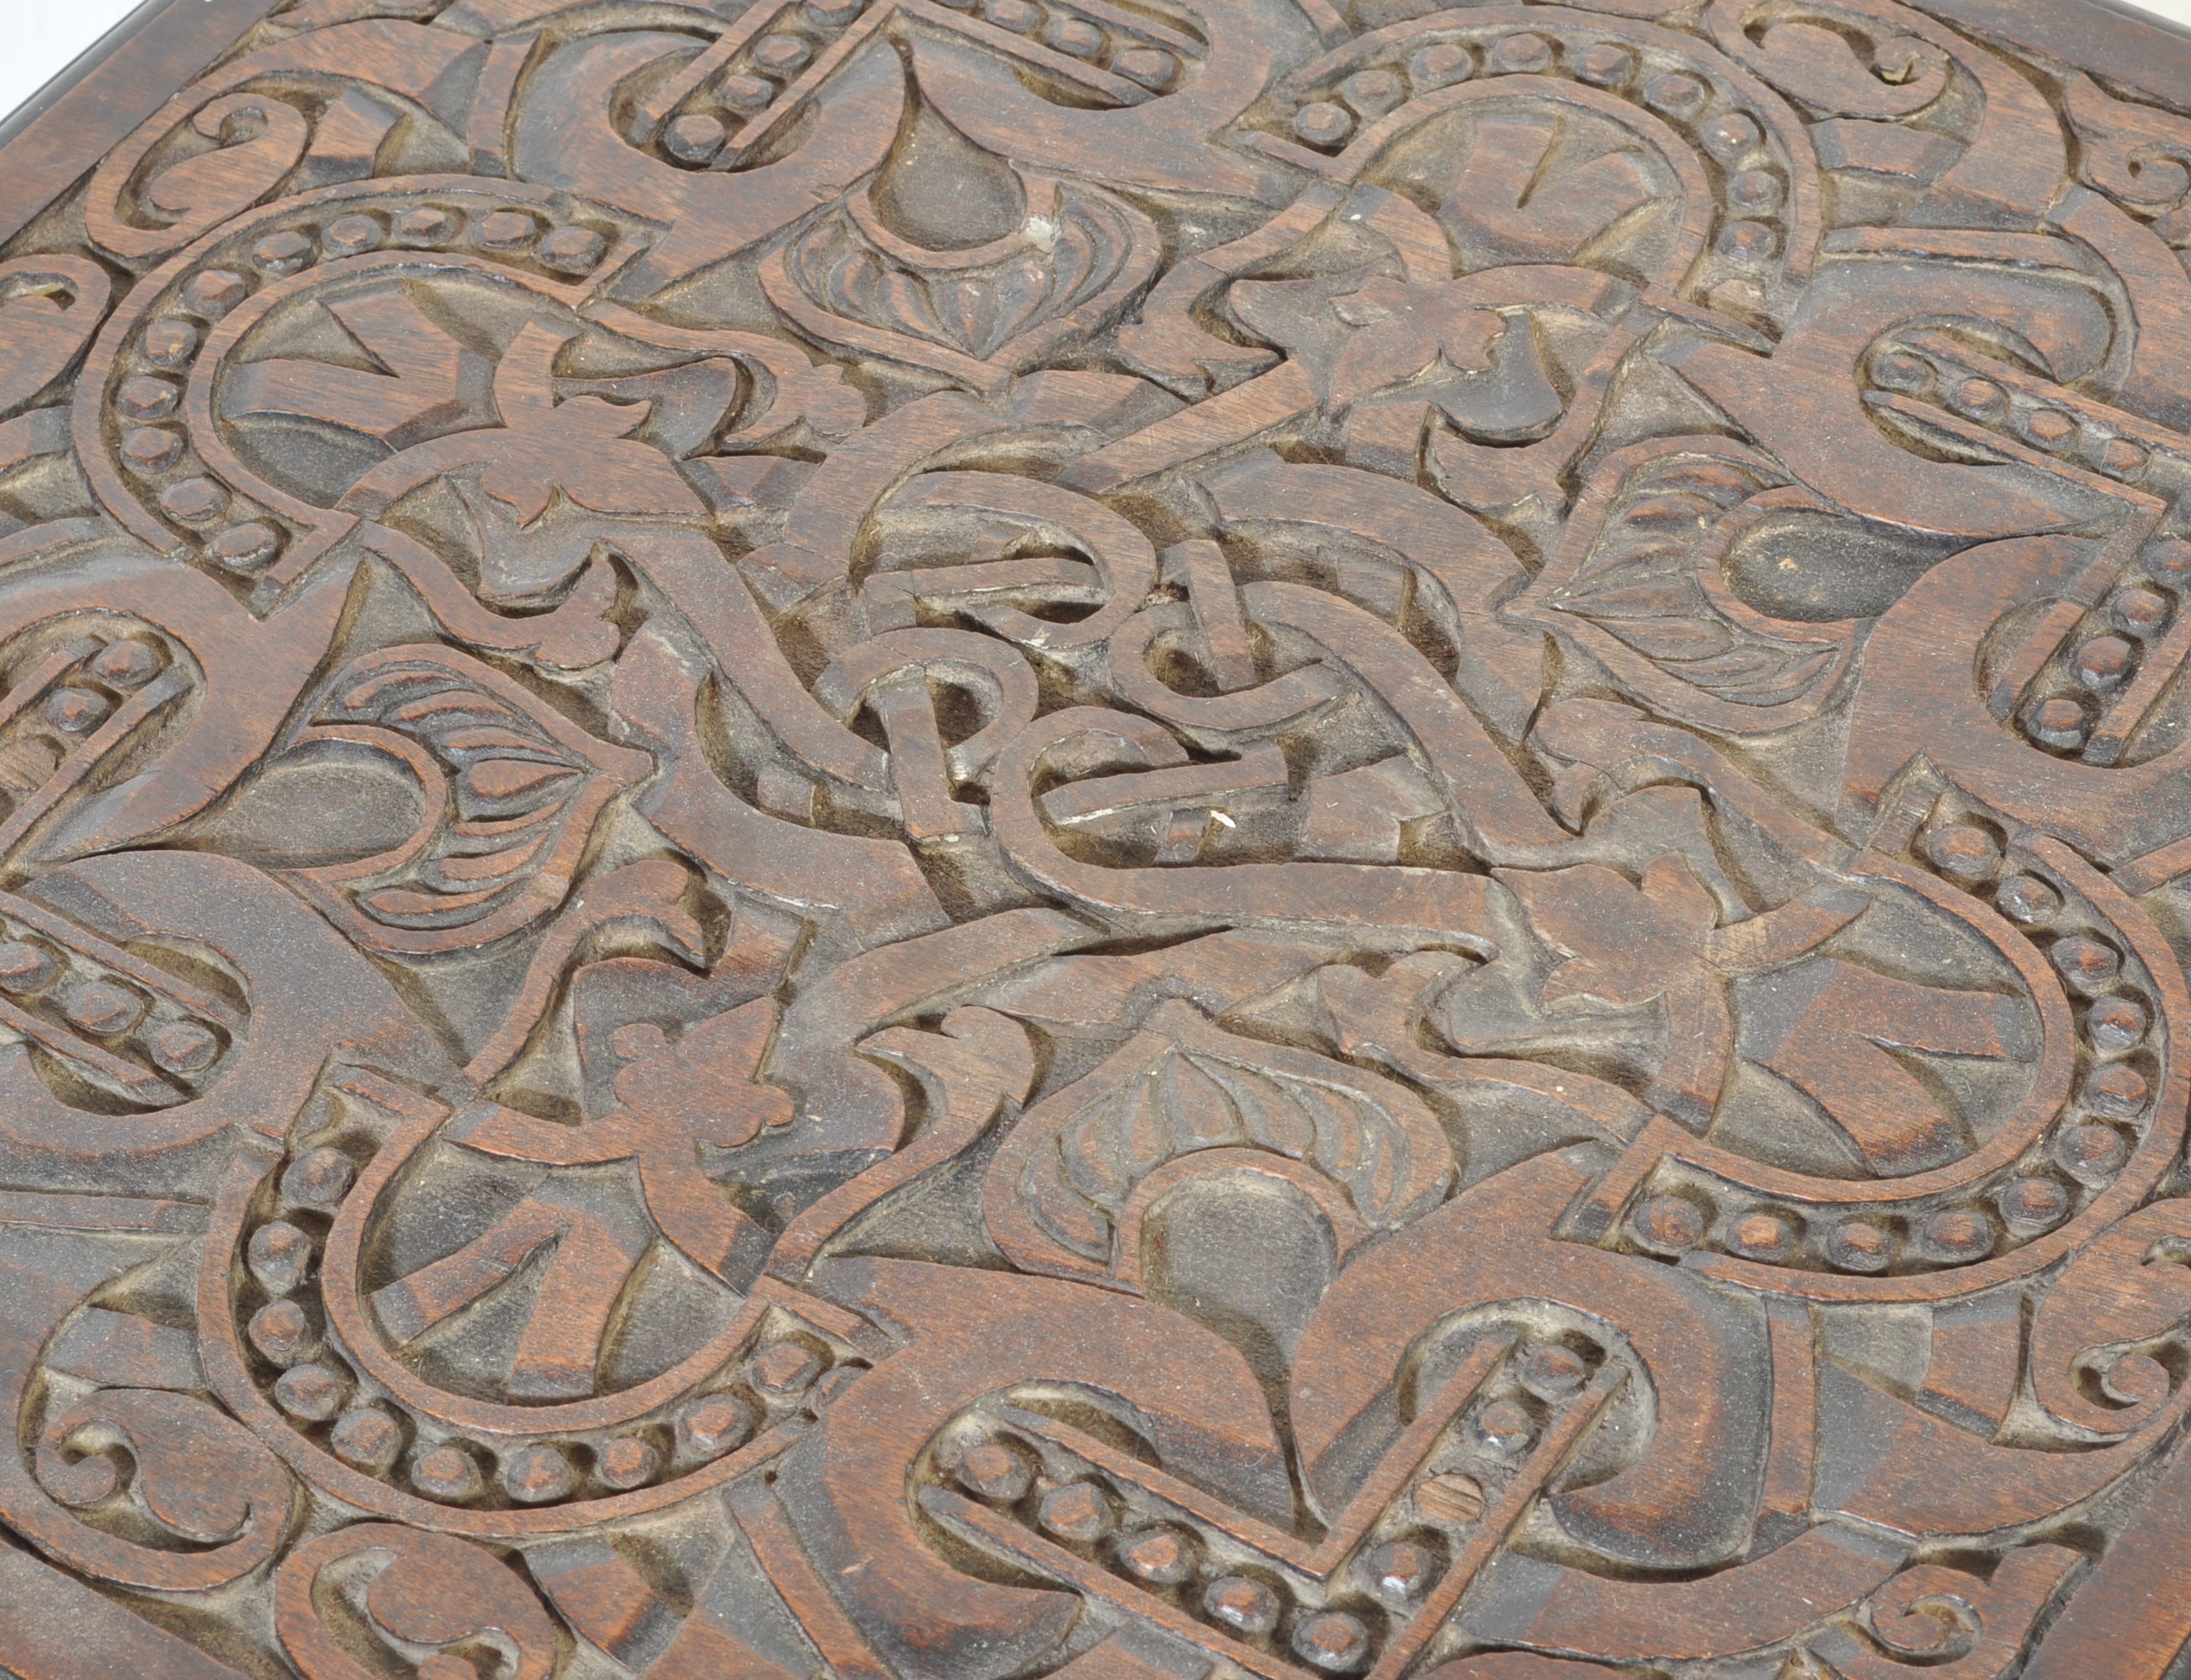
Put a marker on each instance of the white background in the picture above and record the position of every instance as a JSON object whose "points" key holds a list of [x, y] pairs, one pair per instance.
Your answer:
{"points": [[38, 38]]}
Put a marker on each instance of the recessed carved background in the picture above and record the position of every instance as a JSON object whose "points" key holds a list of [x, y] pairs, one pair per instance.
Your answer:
{"points": [[1158, 839]]}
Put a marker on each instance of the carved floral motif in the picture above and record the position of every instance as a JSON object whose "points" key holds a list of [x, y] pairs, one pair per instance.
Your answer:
{"points": [[934, 841]]}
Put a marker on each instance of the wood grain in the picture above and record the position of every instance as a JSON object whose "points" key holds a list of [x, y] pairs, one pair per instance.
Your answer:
{"points": [[903, 840]]}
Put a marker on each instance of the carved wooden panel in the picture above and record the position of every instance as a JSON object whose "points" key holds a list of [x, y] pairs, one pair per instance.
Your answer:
{"points": [[1151, 840]]}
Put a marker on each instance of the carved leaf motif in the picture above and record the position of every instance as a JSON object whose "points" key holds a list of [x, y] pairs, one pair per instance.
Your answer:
{"points": [[1624, 943], [974, 317], [1640, 585], [510, 793], [1631, 945], [1257, 559], [1404, 329], [580, 445], [1374, 339], [432, 408], [704, 1081], [1181, 1087]]}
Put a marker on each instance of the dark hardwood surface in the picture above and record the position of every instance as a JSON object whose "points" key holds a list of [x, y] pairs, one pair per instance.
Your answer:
{"points": [[1146, 839]]}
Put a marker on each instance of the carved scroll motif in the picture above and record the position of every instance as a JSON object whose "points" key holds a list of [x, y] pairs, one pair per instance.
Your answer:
{"points": [[960, 842]]}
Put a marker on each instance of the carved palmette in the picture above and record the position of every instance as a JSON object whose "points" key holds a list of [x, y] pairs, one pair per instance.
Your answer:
{"points": [[935, 841]]}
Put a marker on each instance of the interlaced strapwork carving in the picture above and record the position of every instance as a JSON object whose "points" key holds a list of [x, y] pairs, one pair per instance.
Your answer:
{"points": [[946, 841]]}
